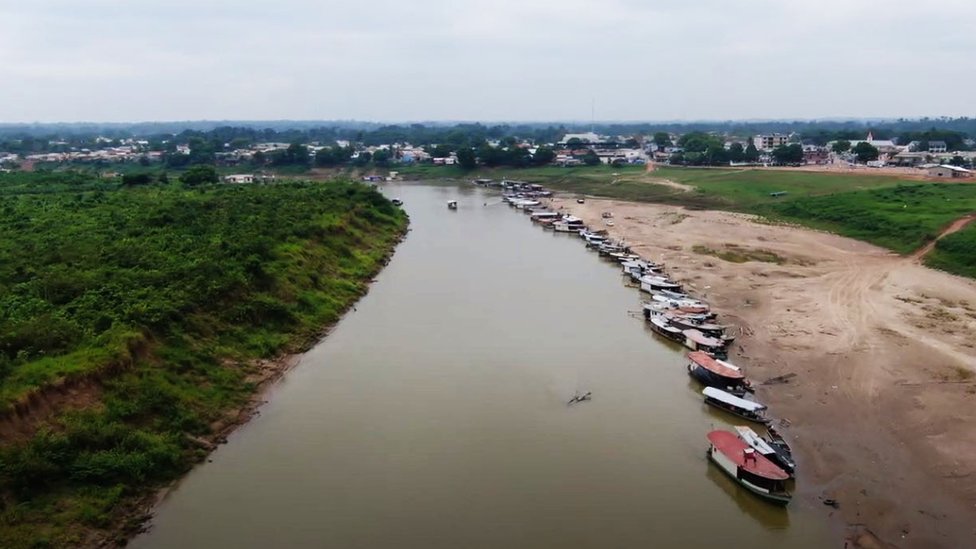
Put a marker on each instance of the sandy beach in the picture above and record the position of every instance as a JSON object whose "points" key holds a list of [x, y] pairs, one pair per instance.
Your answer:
{"points": [[881, 409]]}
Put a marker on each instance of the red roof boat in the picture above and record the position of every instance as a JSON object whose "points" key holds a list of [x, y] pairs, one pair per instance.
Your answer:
{"points": [[706, 361], [749, 468]]}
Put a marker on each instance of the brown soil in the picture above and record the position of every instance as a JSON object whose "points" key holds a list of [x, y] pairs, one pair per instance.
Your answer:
{"points": [[883, 406]]}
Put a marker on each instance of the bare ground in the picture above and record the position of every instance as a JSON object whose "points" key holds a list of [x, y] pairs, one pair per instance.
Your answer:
{"points": [[882, 411]]}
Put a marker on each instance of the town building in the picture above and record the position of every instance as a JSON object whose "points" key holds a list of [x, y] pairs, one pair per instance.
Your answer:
{"points": [[945, 171], [768, 142]]}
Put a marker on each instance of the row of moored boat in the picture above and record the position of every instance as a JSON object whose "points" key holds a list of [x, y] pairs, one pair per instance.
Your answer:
{"points": [[763, 464]]}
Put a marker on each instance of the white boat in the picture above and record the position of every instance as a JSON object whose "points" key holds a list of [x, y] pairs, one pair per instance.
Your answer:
{"points": [[781, 458], [452, 204], [746, 409], [569, 224], [651, 284]]}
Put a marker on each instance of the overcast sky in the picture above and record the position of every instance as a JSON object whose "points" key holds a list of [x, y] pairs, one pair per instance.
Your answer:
{"points": [[385, 60]]}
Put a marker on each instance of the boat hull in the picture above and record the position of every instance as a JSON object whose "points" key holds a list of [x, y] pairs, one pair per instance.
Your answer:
{"points": [[732, 471]]}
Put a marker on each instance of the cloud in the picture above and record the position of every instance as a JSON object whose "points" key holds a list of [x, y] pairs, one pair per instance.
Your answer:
{"points": [[117, 60]]}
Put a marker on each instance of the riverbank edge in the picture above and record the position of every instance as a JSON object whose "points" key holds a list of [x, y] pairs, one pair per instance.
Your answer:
{"points": [[137, 519], [847, 529]]}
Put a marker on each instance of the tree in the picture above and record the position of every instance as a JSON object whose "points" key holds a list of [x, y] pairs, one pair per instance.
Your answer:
{"points": [[326, 157], [788, 154], [133, 179], [441, 151], [199, 175], [258, 159], [957, 161], [699, 141], [662, 139], [543, 156], [163, 178], [382, 157], [752, 153], [590, 158], [737, 152], [865, 152], [841, 146], [574, 143], [363, 159], [716, 154], [467, 158]]}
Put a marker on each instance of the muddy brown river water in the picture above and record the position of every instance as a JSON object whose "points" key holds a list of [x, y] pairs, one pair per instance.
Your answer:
{"points": [[435, 416]]}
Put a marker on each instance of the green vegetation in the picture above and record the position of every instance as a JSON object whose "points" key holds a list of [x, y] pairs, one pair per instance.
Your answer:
{"points": [[956, 253], [901, 218], [153, 301], [734, 253]]}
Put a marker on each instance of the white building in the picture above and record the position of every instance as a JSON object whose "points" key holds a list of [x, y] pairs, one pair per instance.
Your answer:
{"points": [[768, 142]]}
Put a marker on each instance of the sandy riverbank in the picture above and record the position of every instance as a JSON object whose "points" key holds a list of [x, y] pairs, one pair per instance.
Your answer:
{"points": [[883, 405]]}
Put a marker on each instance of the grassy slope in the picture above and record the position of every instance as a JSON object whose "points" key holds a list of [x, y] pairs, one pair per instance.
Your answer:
{"points": [[956, 253], [165, 295]]}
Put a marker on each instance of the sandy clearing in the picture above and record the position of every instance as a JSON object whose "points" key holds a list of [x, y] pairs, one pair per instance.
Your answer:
{"points": [[883, 408]]}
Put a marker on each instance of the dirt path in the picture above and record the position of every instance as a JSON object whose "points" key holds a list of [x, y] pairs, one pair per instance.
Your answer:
{"points": [[882, 410], [956, 226]]}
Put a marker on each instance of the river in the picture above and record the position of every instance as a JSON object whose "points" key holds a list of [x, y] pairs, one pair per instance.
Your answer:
{"points": [[434, 415]]}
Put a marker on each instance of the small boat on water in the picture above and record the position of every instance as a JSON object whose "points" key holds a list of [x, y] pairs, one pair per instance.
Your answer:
{"points": [[653, 283], [689, 305], [580, 398], [782, 459], [700, 323], [776, 440], [654, 307], [569, 224], [452, 205], [662, 328], [397, 202], [544, 215], [624, 257], [746, 409], [712, 372], [751, 470], [697, 341]]}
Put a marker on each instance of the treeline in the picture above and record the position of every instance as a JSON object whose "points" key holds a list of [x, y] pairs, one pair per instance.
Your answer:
{"points": [[56, 137], [163, 294]]}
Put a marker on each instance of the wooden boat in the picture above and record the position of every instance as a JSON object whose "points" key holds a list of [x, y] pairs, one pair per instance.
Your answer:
{"points": [[746, 409], [751, 470], [783, 460], [569, 224], [452, 205], [777, 441], [689, 305], [698, 322], [655, 306], [717, 373], [544, 215], [662, 328], [697, 341], [651, 284]]}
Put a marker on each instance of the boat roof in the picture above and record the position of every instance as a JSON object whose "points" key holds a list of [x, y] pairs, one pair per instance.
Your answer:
{"points": [[732, 400], [703, 339], [733, 448], [716, 367], [544, 214], [663, 324], [752, 439]]}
